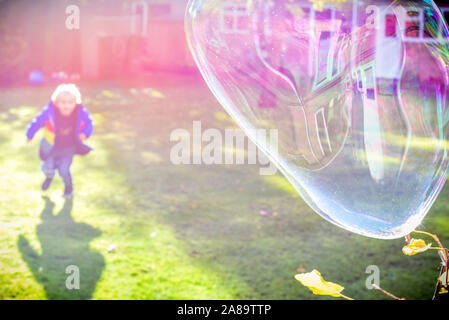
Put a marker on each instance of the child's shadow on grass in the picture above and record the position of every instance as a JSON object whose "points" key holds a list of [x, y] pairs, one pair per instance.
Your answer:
{"points": [[64, 243]]}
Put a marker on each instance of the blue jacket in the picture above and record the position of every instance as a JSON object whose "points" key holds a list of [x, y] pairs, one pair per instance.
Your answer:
{"points": [[46, 119]]}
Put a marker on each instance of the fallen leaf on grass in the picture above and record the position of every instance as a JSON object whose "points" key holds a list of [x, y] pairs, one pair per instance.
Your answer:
{"points": [[315, 282]]}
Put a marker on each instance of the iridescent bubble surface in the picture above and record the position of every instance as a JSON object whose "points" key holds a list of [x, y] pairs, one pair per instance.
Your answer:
{"points": [[357, 91]]}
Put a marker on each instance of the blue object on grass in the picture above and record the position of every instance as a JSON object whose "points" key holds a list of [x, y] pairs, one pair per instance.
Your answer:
{"points": [[36, 77]]}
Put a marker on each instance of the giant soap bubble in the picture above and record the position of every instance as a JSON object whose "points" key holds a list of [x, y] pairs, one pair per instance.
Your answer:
{"points": [[358, 91]]}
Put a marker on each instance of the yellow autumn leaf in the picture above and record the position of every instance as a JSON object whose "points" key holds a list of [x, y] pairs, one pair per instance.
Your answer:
{"points": [[415, 246], [319, 4], [110, 94], [157, 94], [315, 282], [443, 279], [154, 93]]}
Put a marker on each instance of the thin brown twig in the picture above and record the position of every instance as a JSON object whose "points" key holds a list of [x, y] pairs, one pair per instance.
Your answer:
{"points": [[444, 257], [447, 273], [439, 249], [436, 239], [392, 296], [407, 239], [437, 287]]}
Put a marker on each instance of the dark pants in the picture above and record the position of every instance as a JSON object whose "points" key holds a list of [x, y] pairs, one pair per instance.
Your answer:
{"points": [[60, 160]]}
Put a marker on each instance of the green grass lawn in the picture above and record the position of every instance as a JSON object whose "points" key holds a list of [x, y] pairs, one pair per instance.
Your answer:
{"points": [[181, 232]]}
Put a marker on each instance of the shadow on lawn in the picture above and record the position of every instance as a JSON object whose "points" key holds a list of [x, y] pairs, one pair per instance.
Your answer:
{"points": [[64, 243]]}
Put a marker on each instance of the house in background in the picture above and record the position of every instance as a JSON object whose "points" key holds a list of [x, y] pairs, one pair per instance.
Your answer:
{"points": [[144, 35], [116, 37], [141, 35]]}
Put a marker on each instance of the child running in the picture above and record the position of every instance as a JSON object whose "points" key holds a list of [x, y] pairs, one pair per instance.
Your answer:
{"points": [[67, 124]]}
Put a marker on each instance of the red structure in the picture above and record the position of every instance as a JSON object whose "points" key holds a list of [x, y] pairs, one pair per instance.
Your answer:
{"points": [[144, 36], [115, 38]]}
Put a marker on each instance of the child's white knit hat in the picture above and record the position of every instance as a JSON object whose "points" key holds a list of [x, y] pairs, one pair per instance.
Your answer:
{"points": [[67, 88]]}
